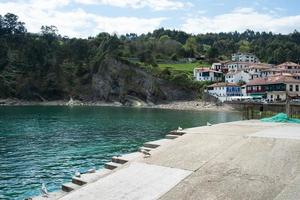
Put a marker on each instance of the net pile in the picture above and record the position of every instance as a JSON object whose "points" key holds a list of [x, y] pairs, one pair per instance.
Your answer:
{"points": [[281, 117]]}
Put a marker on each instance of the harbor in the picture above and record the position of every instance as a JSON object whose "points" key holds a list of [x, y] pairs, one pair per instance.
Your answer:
{"points": [[235, 160]]}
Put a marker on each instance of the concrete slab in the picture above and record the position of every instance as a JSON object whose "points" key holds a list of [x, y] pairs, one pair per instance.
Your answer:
{"points": [[90, 177], [290, 192], [191, 151], [170, 136], [136, 181], [68, 187], [253, 123], [112, 165], [230, 129], [127, 157], [156, 143], [256, 168], [284, 132]]}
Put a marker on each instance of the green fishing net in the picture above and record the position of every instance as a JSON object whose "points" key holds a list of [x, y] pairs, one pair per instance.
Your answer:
{"points": [[281, 117]]}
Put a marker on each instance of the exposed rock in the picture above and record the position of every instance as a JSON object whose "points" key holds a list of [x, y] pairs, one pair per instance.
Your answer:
{"points": [[129, 85]]}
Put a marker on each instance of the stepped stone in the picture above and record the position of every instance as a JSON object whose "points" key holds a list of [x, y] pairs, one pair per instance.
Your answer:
{"points": [[156, 143], [170, 136], [90, 177], [68, 187], [112, 165]]}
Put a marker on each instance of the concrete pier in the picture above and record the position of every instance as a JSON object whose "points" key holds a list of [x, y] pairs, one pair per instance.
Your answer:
{"points": [[237, 160]]}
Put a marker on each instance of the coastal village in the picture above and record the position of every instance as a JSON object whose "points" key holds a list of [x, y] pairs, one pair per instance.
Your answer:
{"points": [[245, 78]]}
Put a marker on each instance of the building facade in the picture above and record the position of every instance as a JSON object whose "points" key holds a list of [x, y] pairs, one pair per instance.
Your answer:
{"points": [[204, 74], [274, 88], [257, 70], [237, 77], [289, 67], [244, 57], [223, 91], [236, 66]]}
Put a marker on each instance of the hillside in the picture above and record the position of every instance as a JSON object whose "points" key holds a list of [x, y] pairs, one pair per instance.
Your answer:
{"points": [[48, 66]]}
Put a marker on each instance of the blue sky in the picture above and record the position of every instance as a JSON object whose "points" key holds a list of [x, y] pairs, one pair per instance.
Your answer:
{"points": [[83, 18]]}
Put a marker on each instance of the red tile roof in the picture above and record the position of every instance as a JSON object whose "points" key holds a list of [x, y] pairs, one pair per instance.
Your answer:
{"points": [[274, 80], [263, 66], [287, 64]]}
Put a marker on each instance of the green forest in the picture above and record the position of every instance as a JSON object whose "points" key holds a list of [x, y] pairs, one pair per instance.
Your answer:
{"points": [[48, 66]]}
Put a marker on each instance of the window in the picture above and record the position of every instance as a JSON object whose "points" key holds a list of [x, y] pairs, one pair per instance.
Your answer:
{"points": [[297, 88], [291, 88]]}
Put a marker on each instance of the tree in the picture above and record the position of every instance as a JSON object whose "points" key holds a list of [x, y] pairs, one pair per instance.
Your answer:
{"points": [[212, 54], [191, 46], [11, 25], [49, 30], [244, 46]]}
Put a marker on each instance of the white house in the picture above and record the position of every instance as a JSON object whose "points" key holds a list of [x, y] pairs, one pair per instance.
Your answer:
{"points": [[217, 66], [204, 74], [244, 57], [270, 72], [237, 76], [235, 66], [257, 70], [223, 91]]}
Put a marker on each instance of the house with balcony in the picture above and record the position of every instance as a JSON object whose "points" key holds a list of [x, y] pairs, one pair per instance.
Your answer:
{"points": [[274, 88], [223, 91], [205, 74]]}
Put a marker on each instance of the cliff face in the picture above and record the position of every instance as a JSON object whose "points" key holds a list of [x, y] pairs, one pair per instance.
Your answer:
{"points": [[115, 81]]}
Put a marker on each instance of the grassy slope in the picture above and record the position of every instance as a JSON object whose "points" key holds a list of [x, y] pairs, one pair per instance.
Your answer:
{"points": [[187, 67]]}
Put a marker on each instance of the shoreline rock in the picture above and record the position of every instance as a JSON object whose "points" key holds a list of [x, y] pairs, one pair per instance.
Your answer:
{"points": [[174, 105]]}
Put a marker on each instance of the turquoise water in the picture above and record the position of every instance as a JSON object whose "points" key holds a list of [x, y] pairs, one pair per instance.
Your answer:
{"points": [[40, 144]]}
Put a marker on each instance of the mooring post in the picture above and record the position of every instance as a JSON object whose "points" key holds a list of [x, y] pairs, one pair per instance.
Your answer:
{"points": [[287, 105]]}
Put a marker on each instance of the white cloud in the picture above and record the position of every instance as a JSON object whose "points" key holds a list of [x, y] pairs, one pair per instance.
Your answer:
{"points": [[153, 4], [241, 19], [75, 23]]}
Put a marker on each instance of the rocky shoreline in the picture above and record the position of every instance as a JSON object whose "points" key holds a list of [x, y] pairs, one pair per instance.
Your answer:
{"points": [[195, 105]]}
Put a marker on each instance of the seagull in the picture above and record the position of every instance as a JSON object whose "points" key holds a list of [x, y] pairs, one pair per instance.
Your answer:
{"points": [[179, 128], [77, 173], [208, 124], [44, 190], [147, 154]]}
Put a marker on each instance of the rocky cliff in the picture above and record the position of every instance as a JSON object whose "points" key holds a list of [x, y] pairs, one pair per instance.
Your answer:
{"points": [[116, 81]]}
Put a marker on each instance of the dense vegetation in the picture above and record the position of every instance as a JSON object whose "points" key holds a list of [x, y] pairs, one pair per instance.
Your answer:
{"points": [[47, 65]]}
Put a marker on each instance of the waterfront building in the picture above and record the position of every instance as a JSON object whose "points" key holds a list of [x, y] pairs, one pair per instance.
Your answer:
{"points": [[274, 88], [244, 57], [205, 74], [237, 76], [223, 91]]}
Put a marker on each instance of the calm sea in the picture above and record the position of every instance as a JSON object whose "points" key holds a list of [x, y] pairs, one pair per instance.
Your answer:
{"points": [[47, 144]]}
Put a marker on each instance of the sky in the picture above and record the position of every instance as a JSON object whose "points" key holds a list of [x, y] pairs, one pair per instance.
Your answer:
{"points": [[84, 18]]}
